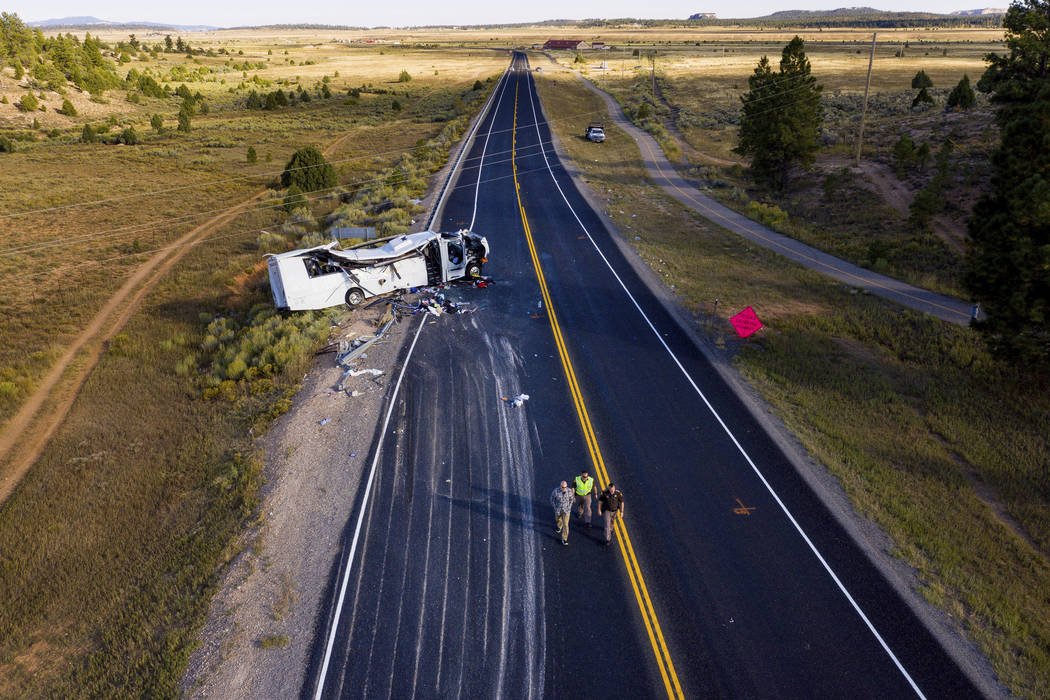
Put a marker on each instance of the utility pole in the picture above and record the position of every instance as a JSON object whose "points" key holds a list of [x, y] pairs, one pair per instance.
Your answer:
{"points": [[652, 63], [864, 111]]}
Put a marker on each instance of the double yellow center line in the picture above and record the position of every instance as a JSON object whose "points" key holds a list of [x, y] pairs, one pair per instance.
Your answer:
{"points": [[634, 571]]}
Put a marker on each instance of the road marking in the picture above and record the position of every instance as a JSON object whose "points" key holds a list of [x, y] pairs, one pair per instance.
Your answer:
{"points": [[361, 516], [728, 432], [742, 509], [379, 444], [634, 572]]}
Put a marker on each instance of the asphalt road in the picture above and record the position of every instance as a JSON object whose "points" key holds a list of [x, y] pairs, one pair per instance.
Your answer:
{"points": [[459, 587]]}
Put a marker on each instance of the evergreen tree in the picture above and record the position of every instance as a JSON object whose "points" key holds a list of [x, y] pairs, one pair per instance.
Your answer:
{"points": [[169, 45], [309, 171], [922, 98], [904, 155], [88, 135], [29, 103], [921, 81], [781, 116], [6, 146], [1008, 256], [68, 109], [157, 122], [184, 120], [252, 157], [962, 96], [294, 199]]}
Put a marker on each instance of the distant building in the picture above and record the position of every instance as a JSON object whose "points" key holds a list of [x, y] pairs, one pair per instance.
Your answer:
{"points": [[565, 44], [598, 45], [703, 15]]}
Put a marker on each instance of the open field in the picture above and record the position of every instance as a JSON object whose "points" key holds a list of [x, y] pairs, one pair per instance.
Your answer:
{"points": [[938, 444], [866, 221], [113, 541], [109, 549]]}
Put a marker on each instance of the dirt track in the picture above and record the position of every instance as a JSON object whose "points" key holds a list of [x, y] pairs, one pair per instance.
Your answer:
{"points": [[26, 434]]}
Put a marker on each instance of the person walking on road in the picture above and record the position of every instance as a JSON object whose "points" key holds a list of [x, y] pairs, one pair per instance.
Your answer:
{"points": [[584, 489], [561, 499], [610, 506]]}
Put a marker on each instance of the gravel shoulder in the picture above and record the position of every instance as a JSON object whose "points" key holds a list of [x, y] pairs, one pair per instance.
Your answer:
{"points": [[261, 626]]}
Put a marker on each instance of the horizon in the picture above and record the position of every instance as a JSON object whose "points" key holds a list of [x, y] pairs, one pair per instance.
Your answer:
{"points": [[419, 14]]}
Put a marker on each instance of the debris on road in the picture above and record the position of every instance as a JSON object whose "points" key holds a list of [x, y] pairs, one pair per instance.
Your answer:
{"points": [[517, 400], [324, 421]]}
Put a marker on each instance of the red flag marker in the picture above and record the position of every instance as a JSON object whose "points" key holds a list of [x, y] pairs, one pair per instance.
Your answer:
{"points": [[746, 322]]}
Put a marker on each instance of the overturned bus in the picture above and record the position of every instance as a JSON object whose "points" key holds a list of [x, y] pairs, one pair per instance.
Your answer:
{"points": [[316, 278]]}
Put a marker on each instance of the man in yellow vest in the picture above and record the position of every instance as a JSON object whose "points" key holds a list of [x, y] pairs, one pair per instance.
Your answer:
{"points": [[583, 488]]}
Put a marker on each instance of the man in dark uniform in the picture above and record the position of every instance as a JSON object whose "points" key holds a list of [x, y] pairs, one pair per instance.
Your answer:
{"points": [[610, 505]]}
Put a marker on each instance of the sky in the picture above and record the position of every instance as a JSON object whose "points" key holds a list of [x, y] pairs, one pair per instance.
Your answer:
{"points": [[423, 12]]}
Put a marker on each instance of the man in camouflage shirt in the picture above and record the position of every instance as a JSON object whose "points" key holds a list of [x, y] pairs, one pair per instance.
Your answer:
{"points": [[562, 499]]}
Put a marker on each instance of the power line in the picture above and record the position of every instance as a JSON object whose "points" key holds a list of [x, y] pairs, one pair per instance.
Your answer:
{"points": [[109, 200], [151, 226], [39, 273]]}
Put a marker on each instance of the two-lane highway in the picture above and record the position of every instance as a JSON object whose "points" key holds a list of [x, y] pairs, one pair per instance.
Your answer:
{"points": [[729, 578]]}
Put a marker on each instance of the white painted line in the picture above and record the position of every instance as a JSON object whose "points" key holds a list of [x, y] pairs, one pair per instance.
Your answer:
{"points": [[361, 515], [485, 148], [725, 427], [386, 421]]}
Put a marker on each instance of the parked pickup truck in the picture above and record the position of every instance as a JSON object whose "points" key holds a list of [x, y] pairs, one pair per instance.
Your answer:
{"points": [[595, 132], [316, 278]]}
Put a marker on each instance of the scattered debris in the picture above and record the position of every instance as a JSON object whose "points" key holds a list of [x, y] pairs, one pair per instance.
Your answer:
{"points": [[359, 372], [324, 421], [517, 400]]}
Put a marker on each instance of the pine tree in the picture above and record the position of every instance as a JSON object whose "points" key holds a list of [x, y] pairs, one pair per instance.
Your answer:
{"points": [[1008, 256], [962, 96], [88, 135], [781, 116], [68, 109], [252, 156], [157, 122], [309, 171], [921, 81]]}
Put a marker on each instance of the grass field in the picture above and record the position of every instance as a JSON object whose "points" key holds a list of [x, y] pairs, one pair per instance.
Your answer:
{"points": [[111, 545], [941, 446], [865, 220]]}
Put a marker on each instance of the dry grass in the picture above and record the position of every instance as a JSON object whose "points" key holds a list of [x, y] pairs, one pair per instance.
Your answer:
{"points": [[908, 412], [112, 542]]}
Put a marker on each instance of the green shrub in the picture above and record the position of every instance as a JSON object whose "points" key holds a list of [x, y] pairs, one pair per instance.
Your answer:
{"points": [[5, 145], [294, 199], [309, 171], [404, 77], [128, 137], [88, 135], [767, 214], [68, 109], [157, 122], [252, 156], [29, 103]]}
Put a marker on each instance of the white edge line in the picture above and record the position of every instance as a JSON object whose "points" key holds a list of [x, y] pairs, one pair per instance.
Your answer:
{"points": [[466, 146], [725, 427], [481, 163], [379, 444], [361, 515]]}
